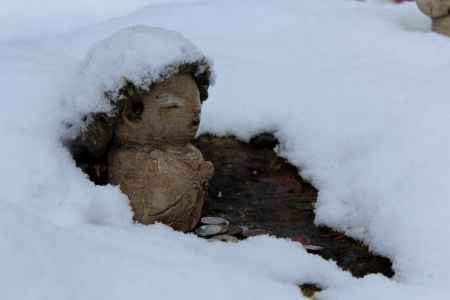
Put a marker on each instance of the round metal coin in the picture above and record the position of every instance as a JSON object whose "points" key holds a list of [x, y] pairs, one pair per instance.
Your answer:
{"points": [[210, 230], [214, 221]]}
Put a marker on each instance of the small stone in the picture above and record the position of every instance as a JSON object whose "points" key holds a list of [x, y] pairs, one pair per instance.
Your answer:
{"points": [[234, 230], [244, 228], [313, 248], [214, 221], [224, 238], [255, 232], [264, 140], [308, 290], [210, 230]]}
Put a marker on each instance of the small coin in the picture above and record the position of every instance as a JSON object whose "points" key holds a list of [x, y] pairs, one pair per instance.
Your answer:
{"points": [[313, 247], [224, 238], [210, 230], [214, 221]]}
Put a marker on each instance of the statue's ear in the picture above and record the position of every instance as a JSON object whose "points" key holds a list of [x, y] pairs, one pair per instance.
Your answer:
{"points": [[133, 109], [133, 105]]}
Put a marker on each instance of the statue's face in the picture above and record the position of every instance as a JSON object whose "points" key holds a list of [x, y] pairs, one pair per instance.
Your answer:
{"points": [[434, 8], [170, 114]]}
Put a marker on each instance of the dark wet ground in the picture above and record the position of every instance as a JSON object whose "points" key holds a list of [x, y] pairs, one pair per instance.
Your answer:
{"points": [[254, 187]]}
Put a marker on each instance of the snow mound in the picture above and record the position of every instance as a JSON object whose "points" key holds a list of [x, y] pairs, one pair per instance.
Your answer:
{"points": [[139, 54], [354, 90]]}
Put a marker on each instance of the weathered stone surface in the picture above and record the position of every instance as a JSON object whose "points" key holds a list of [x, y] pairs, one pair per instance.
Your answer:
{"points": [[164, 176], [162, 186], [168, 116], [442, 25], [145, 147], [434, 8], [439, 11]]}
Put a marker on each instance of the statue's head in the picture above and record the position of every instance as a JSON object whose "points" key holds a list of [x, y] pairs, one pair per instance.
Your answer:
{"points": [[434, 8], [144, 86], [168, 114]]}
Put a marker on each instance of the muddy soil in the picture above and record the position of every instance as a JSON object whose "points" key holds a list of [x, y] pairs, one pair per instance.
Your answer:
{"points": [[254, 187]]}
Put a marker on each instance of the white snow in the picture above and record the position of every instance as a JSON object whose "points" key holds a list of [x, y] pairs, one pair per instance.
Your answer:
{"points": [[139, 54], [356, 91], [27, 19]]}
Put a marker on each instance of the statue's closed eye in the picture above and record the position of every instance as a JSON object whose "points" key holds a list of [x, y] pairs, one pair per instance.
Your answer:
{"points": [[169, 101]]}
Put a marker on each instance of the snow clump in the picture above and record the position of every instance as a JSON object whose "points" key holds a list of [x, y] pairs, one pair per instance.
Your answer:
{"points": [[139, 54]]}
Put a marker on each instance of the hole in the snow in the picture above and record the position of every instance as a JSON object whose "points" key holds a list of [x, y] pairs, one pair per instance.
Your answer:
{"points": [[276, 199], [90, 148], [255, 188]]}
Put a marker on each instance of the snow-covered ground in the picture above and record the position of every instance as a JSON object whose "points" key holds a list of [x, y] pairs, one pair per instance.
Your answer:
{"points": [[356, 92]]}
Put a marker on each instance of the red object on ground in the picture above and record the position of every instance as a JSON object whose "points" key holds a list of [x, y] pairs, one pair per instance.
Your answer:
{"points": [[300, 239]]}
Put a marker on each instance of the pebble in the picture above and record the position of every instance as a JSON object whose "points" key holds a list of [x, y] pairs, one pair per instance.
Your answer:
{"points": [[224, 238], [264, 140], [244, 228], [313, 247], [234, 230], [210, 230]]}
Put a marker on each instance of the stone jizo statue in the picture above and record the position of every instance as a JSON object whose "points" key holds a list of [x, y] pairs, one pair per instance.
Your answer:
{"points": [[146, 149], [152, 158], [152, 83], [439, 11]]}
